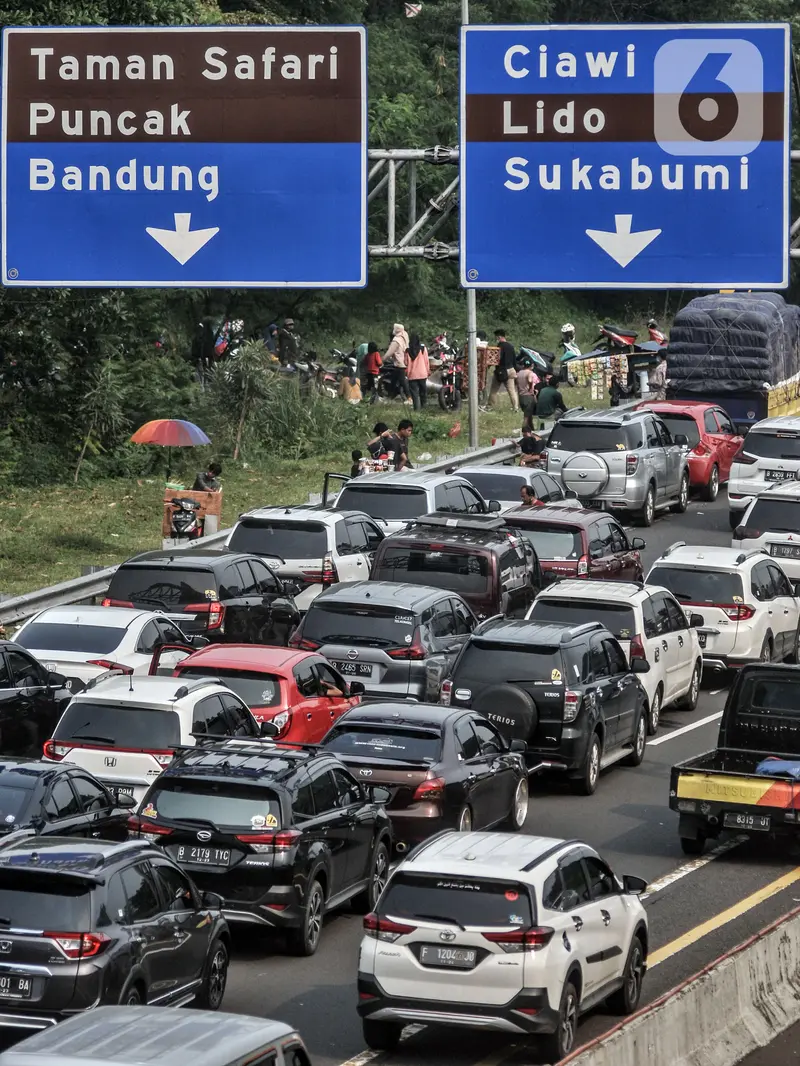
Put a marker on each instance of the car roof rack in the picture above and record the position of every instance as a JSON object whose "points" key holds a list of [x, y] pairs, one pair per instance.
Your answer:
{"points": [[673, 547], [579, 631], [191, 686], [749, 555], [453, 520], [634, 581]]}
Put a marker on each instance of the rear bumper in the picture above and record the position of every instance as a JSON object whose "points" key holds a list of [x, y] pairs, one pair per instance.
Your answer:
{"points": [[569, 756], [417, 823], [13, 1019], [270, 906], [527, 1013]]}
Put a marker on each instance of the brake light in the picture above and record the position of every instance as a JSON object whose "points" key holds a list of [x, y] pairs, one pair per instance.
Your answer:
{"points": [[327, 575], [115, 603], [386, 930], [637, 649], [163, 758], [146, 828], [107, 664], [214, 610], [79, 945], [701, 448], [572, 704], [745, 459], [583, 566], [514, 940], [261, 842], [737, 612], [432, 789], [55, 751], [746, 533], [631, 465], [414, 650], [446, 693], [296, 641]]}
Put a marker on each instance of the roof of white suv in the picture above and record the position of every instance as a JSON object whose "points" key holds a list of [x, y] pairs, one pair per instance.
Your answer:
{"points": [[321, 515], [708, 556], [777, 422], [458, 854], [596, 589], [110, 617], [781, 490], [155, 693], [413, 479]]}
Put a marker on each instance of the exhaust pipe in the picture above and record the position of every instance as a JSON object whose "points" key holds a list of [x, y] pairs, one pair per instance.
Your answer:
{"points": [[401, 846]]}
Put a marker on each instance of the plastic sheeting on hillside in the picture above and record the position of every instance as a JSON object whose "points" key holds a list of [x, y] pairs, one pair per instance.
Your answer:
{"points": [[735, 343]]}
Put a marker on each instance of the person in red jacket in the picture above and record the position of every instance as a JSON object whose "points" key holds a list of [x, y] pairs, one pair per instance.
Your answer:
{"points": [[371, 370]]}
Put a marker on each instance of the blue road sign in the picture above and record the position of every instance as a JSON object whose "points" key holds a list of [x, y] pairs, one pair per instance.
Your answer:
{"points": [[625, 156], [190, 157]]}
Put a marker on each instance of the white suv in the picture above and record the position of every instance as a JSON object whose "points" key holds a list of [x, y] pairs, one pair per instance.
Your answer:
{"points": [[519, 934], [749, 608], [770, 453], [124, 730], [648, 622], [772, 523]]}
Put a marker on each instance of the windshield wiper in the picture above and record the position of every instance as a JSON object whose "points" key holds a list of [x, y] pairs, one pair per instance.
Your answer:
{"points": [[439, 918], [149, 599], [89, 736]]}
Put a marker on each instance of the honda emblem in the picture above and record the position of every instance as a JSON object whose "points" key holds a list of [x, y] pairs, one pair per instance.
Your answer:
{"points": [[204, 835], [110, 760]]}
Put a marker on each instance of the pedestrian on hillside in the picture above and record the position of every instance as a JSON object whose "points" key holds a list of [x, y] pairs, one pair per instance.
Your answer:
{"points": [[371, 369], [395, 358], [617, 391], [505, 373], [271, 338], [397, 444], [657, 379], [531, 447], [527, 380], [377, 447], [550, 401], [208, 480], [418, 370], [288, 342]]}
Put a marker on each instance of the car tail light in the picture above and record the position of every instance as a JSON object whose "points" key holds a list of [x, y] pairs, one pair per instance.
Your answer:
{"points": [[583, 566], [572, 704], [514, 940], [280, 721], [637, 649], [326, 575], [108, 664], [431, 789], [144, 827], [80, 945], [115, 603], [414, 650], [261, 842], [446, 693], [737, 612], [55, 751], [701, 448], [296, 641], [631, 465], [214, 610], [386, 930], [742, 457], [746, 533]]}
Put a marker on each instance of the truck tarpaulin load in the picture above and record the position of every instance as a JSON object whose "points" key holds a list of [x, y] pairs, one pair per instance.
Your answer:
{"points": [[741, 351]]}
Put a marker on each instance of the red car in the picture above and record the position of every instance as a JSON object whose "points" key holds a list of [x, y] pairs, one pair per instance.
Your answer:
{"points": [[298, 691], [713, 440]]}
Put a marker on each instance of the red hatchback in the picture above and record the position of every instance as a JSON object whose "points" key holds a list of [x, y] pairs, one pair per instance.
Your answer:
{"points": [[713, 440], [298, 691]]}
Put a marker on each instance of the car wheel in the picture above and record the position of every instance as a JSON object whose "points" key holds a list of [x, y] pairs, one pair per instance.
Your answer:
{"points": [[465, 820], [639, 742], [683, 495], [586, 784], [626, 999], [519, 806], [693, 845], [794, 654], [381, 1036], [648, 511], [212, 991], [559, 1044], [365, 901], [133, 997], [765, 656], [711, 491], [654, 712], [305, 939], [689, 701]]}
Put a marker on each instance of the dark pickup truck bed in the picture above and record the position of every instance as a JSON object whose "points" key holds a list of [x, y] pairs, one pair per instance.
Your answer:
{"points": [[720, 790]]}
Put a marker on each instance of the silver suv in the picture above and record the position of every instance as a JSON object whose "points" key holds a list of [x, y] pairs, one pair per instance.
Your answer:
{"points": [[626, 460]]}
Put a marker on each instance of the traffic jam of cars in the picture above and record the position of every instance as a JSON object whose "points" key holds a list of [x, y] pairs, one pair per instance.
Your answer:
{"points": [[345, 706]]}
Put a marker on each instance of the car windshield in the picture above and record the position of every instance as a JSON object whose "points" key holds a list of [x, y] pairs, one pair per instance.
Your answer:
{"points": [[586, 437], [772, 445], [219, 803], [139, 728], [257, 690], [56, 636], [482, 661], [431, 565], [392, 503], [782, 516], [690, 585], [356, 623], [14, 800], [31, 900], [407, 744], [551, 541], [460, 900], [617, 618], [283, 540], [496, 486], [685, 424], [162, 587]]}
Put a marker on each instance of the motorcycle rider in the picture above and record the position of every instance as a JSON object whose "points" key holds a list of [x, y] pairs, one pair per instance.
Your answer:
{"points": [[288, 342]]}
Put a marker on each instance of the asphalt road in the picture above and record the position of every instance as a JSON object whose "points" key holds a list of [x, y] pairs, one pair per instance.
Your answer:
{"points": [[698, 908]]}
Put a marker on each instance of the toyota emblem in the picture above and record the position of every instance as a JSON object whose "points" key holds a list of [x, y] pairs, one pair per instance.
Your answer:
{"points": [[366, 773], [353, 653], [447, 935], [110, 760], [204, 835]]}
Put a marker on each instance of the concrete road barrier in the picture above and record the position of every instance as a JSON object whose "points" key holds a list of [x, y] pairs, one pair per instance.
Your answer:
{"points": [[739, 1003]]}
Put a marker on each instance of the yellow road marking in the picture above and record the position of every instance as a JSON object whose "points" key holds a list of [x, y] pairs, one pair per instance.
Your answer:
{"points": [[736, 911]]}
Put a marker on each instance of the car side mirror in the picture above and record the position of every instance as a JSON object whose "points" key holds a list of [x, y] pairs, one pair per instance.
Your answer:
{"points": [[356, 688], [696, 620], [56, 680], [796, 588], [212, 900], [634, 885], [126, 801], [282, 609], [493, 506], [571, 494], [638, 544], [640, 666], [199, 642], [268, 729], [681, 439], [518, 746]]}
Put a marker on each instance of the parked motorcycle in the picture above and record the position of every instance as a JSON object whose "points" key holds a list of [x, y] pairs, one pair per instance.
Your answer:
{"points": [[185, 522], [655, 333], [451, 375]]}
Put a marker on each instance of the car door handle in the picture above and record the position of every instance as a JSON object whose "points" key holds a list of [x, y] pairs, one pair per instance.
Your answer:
{"points": [[606, 917], [680, 642], [665, 645], [359, 562], [578, 922]]}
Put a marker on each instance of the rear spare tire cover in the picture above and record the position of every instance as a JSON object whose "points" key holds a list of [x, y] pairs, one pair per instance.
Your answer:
{"points": [[585, 473], [510, 710]]}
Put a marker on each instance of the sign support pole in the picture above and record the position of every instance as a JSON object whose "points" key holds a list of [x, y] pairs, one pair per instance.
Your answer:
{"points": [[472, 325]]}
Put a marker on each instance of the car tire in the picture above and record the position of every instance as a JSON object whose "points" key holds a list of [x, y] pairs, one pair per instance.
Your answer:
{"points": [[636, 756], [518, 814], [305, 939], [381, 1036], [794, 654], [626, 999], [464, 823], [212, 991], [765, 655], [711, 490], [586, 783], [683, 495], [365, 901], [558, 1045], [654, 712], [693, 845], [648, 510], [132, 997], [520, 713], [689, 701]]}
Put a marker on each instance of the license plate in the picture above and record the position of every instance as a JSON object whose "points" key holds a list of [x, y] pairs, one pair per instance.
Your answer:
{"points": [[760, 822], [204, 856], [596, 505], [702, 638], [450, 958], [124, 790], [778, 475], [16, 987], [786, 551], [353, 669]]}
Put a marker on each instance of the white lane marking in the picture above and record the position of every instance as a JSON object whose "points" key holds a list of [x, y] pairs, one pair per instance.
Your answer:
{"points": [[684, 729], [691, 866], [363, 1057]]}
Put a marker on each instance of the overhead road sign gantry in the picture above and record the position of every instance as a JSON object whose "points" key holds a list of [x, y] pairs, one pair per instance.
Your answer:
{"points": [[625, 156], [195, 157]]}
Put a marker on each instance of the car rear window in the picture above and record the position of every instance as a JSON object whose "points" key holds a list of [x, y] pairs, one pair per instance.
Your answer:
{"points": [[13, 804], [355, 623], [690, 585], [772, 445], [393, 504], [585, 437], [139, 728], [283, 540], [468, 901], [42, 901], [781, 516], [429, 565], [496, 486], [219, 803], [617, 618], [414, 745], [555, 542], [483, 661], [53, 636], [682, 424], [162, 587], [257, 690]]}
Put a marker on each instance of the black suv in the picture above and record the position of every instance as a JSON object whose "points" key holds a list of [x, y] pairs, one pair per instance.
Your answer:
{"points": [[32, 699], [492, 568], [284, 834], [224, 596], [132, 929], [566, 690]]}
